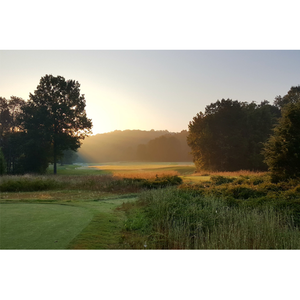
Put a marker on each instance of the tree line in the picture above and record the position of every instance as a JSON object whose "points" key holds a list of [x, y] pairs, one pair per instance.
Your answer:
{"points": [[232, 135], [168, 148], [41, 130], [136, 145]]}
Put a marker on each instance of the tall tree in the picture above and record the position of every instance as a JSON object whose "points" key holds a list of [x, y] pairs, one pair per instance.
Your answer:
{"points": [[55, 117], [282, 150]]}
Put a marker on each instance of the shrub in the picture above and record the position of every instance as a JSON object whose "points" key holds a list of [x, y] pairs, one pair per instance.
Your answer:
{"points": [[244, 192], [28, 185], [218, 180], [160, 182]]}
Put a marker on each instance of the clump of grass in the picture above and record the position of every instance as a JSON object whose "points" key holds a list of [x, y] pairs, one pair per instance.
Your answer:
{"points": [[182, 220]]}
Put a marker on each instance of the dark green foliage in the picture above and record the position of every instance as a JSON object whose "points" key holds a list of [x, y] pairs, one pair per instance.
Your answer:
{"points": [[35, 133], [69, 157], [229, 135], [11, 140], [54, 118], [161, 182], [217, 180], [138, 183], [282, 150], [292, 96]]}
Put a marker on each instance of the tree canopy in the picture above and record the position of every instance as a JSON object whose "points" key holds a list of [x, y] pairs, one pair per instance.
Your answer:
{"points": [[54, 118], [229, 135], [41, 130]]}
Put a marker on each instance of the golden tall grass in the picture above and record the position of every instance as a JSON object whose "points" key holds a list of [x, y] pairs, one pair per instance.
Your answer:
{"points": [[145, 174], [231, 174]]}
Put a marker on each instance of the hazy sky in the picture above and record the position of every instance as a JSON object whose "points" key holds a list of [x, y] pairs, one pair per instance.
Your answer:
{"points": [[152, 89]]}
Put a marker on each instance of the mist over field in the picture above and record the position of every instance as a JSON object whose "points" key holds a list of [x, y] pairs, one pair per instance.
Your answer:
{"points": [[136, 145]]}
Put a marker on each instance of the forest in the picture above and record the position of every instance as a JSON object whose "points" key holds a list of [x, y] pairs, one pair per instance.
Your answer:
{"points": [[232, 135], [39, 131]]}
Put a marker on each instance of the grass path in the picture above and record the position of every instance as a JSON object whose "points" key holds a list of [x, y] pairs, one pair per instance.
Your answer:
{"points": [[103, 232], [92, 224]]}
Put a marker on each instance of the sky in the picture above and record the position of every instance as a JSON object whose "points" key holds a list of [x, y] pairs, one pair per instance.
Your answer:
{"points": [[153, 89]]}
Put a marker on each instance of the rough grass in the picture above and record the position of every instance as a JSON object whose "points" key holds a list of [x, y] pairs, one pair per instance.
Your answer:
{"points": [[176, 219], [104, 183], [230, 174]]}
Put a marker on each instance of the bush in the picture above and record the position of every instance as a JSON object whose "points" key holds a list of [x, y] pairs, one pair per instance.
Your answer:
{"points": [[161, 182]]}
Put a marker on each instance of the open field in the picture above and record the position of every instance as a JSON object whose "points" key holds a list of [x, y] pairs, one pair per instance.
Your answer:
{"points": [[133, 206]]}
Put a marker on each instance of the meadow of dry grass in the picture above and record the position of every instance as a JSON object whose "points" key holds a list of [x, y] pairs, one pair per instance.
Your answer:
{"points": [[230, 174], [145, 174]]}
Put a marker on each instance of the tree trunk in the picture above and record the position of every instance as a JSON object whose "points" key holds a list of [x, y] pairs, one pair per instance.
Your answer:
{"points": [[54, 154]]}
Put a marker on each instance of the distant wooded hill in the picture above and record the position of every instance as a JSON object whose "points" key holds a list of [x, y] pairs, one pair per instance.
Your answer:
{"points": [[135, 145]]}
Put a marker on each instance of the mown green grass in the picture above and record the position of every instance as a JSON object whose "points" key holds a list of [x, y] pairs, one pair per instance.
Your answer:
{"points": [[40, 226], [62, 224], [77, 169]]}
